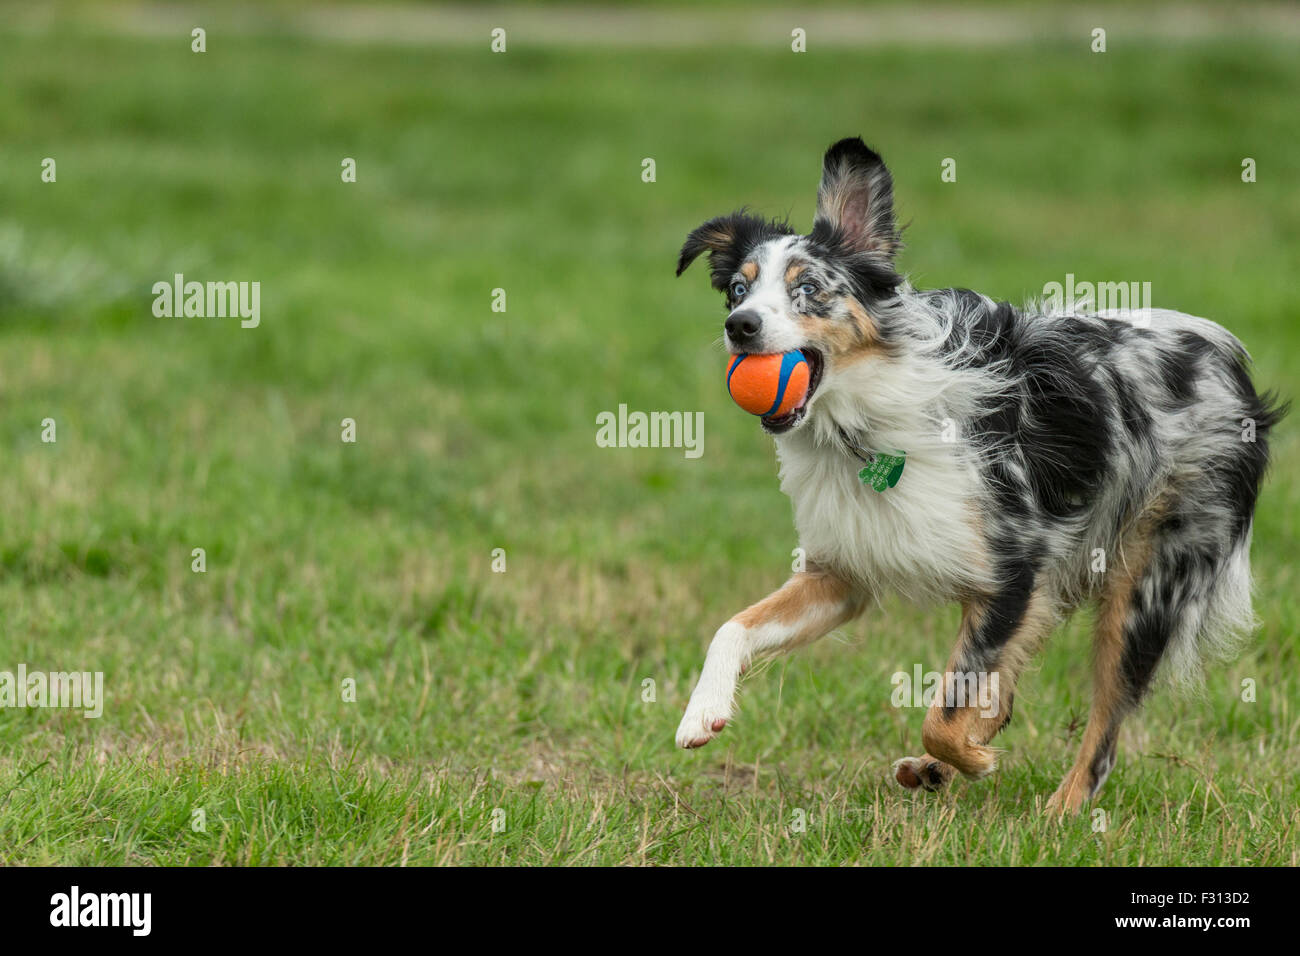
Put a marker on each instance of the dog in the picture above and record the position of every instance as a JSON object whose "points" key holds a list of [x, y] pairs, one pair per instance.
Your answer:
{"points": [[1038, 459]]}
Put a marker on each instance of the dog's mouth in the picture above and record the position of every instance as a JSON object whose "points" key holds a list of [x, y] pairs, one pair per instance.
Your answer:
{"points": [[778, 424]]}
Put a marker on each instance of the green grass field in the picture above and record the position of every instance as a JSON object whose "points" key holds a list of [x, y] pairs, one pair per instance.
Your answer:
{"points": [[516, 698]]}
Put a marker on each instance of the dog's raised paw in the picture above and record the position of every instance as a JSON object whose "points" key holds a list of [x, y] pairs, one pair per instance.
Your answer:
{"points": [[699, 726], [921, 773]]}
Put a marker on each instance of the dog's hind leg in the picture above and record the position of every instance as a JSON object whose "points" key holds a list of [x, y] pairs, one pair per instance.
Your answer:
{"points": [[1129, 640], [998, 637], [1157, 602], [811, 604]]}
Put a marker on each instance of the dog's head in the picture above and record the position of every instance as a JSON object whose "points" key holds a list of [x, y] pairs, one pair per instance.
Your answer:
{"points": [[818, 292]]}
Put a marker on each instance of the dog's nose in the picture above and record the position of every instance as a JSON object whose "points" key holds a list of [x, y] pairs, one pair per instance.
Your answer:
{"points": [[743, 327]]}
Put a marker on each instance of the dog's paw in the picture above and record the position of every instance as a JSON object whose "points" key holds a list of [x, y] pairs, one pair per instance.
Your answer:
{"points": [[1069, 798], [921, 773], [700, 725]]}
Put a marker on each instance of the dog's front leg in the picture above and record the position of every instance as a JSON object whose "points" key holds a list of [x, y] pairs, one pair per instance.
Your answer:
{"points": [[806, 607]]}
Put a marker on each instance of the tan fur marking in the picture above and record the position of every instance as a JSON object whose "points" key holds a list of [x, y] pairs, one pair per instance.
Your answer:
{"points": [[788, 604], [865, 323], [749, 270], [847, 341], [792, 271]]}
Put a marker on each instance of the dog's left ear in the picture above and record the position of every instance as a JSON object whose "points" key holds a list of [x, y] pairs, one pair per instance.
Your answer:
{"points": [[855, 201]]}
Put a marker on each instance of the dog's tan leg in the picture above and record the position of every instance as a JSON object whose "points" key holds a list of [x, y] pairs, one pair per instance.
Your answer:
{"points": [[809, 605], [1112, 697], [997, 639]]}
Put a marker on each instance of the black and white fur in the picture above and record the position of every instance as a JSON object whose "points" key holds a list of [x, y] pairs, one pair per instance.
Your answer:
{"points": [[1035, 441]]}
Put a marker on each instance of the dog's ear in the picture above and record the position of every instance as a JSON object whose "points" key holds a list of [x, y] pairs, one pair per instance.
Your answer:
{"points": [[716, 236], [726, 239], [855, 201]]}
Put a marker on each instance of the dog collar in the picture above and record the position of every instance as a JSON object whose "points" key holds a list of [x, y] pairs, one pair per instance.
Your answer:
{"points": [[881, 469]]}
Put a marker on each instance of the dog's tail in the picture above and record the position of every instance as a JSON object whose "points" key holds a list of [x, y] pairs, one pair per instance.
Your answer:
{"points": [[1214, 627], [1208, 561]]}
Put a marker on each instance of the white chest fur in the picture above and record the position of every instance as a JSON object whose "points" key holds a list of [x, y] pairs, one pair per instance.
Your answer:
{"points": [[919, 539]]}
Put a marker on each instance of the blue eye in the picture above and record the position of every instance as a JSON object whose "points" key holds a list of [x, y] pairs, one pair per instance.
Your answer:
{"points": [[738, 290], [807, 288]]}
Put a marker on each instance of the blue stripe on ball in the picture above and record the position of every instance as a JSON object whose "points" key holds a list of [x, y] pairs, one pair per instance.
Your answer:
{"points": [[739, 358], [788, 362]]}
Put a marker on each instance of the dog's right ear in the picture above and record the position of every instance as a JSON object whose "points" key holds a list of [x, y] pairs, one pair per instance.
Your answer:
{"points": [[715, 237]]}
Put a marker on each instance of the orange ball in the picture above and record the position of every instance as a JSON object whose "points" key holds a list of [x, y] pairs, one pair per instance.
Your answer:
{"points": [[768, 385]]}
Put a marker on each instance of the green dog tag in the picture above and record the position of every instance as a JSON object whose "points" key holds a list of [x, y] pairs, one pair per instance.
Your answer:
{"points": [[884, 472]]}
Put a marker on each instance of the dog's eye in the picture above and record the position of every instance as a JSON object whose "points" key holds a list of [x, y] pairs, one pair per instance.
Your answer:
{"points": [[807, 288], [738, 290]]}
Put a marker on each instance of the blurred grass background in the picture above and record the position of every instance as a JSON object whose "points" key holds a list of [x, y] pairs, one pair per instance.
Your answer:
{"points": [[476, 430]]}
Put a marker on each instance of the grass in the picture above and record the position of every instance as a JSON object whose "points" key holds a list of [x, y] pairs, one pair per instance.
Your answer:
{"points": [[517, 697]]}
